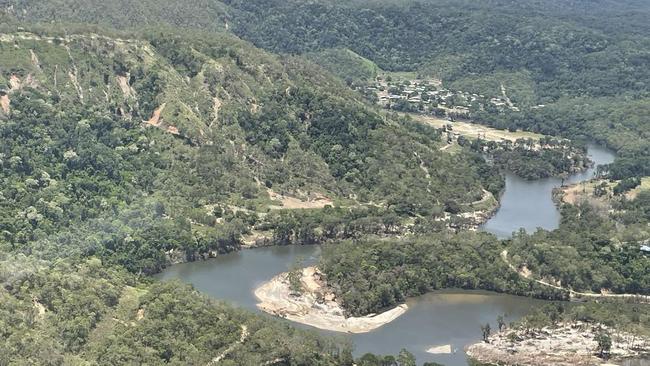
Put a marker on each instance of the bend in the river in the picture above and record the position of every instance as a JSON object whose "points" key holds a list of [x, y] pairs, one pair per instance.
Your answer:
{"points": [[529, 204], [437, 319]]}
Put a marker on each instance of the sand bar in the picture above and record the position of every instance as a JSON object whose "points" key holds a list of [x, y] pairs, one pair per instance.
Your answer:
{"points": [[316, 305]]}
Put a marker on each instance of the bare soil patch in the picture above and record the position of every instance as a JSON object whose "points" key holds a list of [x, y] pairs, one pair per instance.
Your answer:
{"points": [[474, 130], [5, 103], [564, 345], [316, 305], [288, 202]]}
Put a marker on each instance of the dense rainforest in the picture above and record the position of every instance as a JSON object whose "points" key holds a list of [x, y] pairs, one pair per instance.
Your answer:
{"points": [[136, 134]]}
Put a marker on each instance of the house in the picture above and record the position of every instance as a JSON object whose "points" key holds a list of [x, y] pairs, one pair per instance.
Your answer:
{"points": [[645, 248]]}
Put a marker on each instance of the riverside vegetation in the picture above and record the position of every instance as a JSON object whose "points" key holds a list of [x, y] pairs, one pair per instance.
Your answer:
{"points": [[126, 140], [118, 149]]}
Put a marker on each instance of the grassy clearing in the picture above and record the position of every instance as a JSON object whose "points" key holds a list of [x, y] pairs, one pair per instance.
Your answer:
{"points": [[645, 185], [585, 191], [576, 193], [473, 130], [399, 75]]}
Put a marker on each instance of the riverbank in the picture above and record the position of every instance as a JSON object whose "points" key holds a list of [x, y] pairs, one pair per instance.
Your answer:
{"points": [[567, 344], [316, 305]]}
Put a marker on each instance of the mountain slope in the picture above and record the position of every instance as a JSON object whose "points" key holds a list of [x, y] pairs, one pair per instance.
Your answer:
{"points": [[122, 153], [165, 143], [585, 56], [196, 14]]}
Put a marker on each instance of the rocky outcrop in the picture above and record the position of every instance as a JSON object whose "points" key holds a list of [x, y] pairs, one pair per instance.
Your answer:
{"points": [[569, 344]]}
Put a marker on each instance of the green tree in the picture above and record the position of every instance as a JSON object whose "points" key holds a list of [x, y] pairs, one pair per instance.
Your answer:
{"points": [[604, 341], [295, 278], [501, 322], [485, 331], [405, 358]]}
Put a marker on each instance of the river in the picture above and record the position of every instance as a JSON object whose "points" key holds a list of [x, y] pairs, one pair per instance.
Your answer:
{"points": [[529, 205], [443, 317]]}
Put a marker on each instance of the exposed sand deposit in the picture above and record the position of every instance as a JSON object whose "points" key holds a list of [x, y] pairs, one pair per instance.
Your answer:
{"points": [[440, 350], [565, 345], [316, 305]]}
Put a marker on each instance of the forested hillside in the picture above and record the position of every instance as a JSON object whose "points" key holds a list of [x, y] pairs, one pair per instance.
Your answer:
{"points": [[138, 134], [573, 71], [89, 313], [590, 252], [579, 70], [192, 14], [179, 131], [124, 152]]}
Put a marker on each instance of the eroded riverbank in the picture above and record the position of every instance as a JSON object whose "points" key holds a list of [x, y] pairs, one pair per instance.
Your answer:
{"points": [[451, 317], [316, 305], [573, 344]]}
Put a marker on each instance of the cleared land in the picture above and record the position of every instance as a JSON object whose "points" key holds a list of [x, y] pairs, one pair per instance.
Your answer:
{"points": [[473, 130], [645, 185], [580, 192], [293, 203], [565, 345]]}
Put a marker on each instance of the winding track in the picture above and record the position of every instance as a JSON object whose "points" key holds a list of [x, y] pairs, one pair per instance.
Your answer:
{"points": [[644, 299]]}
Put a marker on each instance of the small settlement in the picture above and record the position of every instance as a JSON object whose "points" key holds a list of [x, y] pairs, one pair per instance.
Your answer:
{"points": [[428, 96]]}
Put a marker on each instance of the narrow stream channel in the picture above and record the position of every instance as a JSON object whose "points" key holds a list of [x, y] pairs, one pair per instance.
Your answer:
{"points": [[443, 317]]}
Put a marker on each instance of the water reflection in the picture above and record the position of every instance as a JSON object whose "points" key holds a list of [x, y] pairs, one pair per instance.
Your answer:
{"points": [[529, 204], [450, 317], [444, 317]]}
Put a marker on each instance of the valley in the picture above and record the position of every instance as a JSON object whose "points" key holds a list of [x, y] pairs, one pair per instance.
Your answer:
{"points": [[304, 307], [293, 183]]}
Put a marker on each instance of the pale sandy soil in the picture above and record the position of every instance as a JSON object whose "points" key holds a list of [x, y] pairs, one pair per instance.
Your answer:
{"points": [[473, 130], [487, 195], [579, 192], [155, 118], [5, 103], [216, 106], [256, 239], [157, 121], [127, 90], [317, 305], [14, 83], [34, 59], [446, 147], [645, 185], [39, 307], [440, 350], [585, 191], [288, 202], [567, 345]]}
